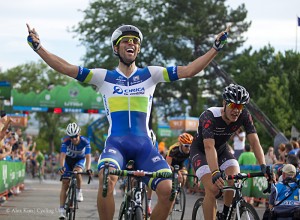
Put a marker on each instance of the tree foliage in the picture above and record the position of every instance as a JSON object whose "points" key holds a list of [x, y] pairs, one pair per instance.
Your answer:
{"points": [[271, 78]]}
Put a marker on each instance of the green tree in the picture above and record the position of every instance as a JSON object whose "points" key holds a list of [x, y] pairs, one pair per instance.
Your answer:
{"points": [[271, 78]]}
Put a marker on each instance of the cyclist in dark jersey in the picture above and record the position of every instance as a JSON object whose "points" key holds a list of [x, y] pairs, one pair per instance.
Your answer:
{"points": [[127, 93], [178, 153], [209, 150]]}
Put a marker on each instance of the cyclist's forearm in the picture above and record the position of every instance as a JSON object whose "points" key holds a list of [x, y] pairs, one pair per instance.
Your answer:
{"points": [[62, 159], [88, 161]]}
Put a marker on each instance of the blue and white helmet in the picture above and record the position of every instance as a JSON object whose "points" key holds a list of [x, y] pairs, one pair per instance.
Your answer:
{"points": [[122, 31], [72, 129]]}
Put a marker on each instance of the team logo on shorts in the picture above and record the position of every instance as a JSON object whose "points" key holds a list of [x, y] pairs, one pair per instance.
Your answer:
{"points": [[112, 151], [156, 159]]}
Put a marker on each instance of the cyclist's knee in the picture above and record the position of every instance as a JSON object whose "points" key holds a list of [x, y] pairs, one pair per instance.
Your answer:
{"points": [[163, 190], [65, 184], [112, 180]]}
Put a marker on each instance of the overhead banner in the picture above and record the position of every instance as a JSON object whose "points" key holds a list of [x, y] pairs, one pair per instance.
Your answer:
{"points": [[71, 96]]}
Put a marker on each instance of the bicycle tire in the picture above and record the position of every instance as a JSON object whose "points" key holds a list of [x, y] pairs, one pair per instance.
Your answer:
{"points": [[248, 212], [145, 204], [68, 203], [198, 210], [178, 209], [138, 213], [122, 210]]}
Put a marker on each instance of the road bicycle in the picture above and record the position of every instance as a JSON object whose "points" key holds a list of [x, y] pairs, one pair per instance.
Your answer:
{"points": [[135, 204], [239, 208], [178, 209], [71, 203]]}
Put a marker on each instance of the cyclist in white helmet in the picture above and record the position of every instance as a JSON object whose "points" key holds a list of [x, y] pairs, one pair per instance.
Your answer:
{"points": [[75, 155], [127, 93]]}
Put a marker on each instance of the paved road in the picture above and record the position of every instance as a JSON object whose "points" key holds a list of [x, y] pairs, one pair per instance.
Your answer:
{"points": [[40, 202]]}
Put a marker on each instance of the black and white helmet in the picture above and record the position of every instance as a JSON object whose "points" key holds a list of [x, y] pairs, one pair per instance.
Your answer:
{"points": [[122, 31], [236, 94], [72, 129]]}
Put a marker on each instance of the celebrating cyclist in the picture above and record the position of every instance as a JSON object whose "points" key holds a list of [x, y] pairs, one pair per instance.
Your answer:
{"points": [[178, 153], [209, 151], [127, 93], [75, 155]]}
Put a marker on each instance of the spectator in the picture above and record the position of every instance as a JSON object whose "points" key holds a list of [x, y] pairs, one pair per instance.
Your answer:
{"points": [[239, 138], [270, 156], [281, 154], [295, 147], [284, 198], [247, 157]]}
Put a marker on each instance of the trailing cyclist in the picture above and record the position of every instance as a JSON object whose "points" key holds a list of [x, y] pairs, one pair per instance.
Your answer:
{"points": [[209, 151], [178, 153], [75, 155]]}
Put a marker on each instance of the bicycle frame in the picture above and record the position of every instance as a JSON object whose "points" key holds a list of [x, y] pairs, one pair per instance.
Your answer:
{"points": [[71, 203], [237, 199]]}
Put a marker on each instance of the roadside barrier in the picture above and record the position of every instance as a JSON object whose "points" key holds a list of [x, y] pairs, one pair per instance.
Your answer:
{"points": [[12, 174]]}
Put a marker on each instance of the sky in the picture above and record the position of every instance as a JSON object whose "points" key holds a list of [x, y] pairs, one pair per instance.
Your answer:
{"points": [[274, 22]]}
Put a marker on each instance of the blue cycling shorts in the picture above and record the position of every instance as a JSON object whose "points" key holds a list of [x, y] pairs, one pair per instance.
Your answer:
{"points": [[120, 149]]}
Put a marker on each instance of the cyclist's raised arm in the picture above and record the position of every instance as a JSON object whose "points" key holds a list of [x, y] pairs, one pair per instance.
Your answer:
{"points": [[201, 62], [55, 62]]}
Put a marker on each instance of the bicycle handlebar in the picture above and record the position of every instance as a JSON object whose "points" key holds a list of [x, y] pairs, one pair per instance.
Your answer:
{"points": [[241, 176], [76, 173], [140, 173]]}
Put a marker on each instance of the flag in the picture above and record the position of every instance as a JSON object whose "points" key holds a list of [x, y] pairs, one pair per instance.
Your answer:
{"points": [[298, 21]]}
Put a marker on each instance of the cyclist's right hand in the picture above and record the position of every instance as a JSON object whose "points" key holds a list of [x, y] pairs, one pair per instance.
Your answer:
{"points": [[217, 178], [61, 170]]}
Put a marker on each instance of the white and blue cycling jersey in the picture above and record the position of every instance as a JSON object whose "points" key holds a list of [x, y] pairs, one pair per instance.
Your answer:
{"points": [[75, 151], [127, 102]]}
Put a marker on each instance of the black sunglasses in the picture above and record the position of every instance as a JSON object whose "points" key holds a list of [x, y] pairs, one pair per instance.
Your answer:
{"points": [[75, 136]]}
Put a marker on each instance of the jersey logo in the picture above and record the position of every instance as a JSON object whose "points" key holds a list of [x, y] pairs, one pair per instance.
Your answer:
{"points": [[117, 90], [206, 124]]}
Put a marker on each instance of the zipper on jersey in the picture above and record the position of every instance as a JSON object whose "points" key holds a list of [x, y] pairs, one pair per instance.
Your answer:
{"points": [[129, 118]]}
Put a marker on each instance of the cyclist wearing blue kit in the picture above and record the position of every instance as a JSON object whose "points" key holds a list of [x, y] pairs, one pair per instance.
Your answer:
{"points": [[75, 155], [127, 93]]}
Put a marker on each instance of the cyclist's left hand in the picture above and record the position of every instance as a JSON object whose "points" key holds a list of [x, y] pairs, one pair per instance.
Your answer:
{"points": [[221, 39], [267, 170]]}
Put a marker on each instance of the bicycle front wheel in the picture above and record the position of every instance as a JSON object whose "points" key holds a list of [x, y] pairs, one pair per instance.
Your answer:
{"points": [[247, 212], [198, 210], [138, 215], [178, 209], [122, 211]]}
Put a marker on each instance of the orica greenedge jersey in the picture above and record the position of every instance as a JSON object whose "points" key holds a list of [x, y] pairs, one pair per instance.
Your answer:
{"points": [[127, 100]]}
